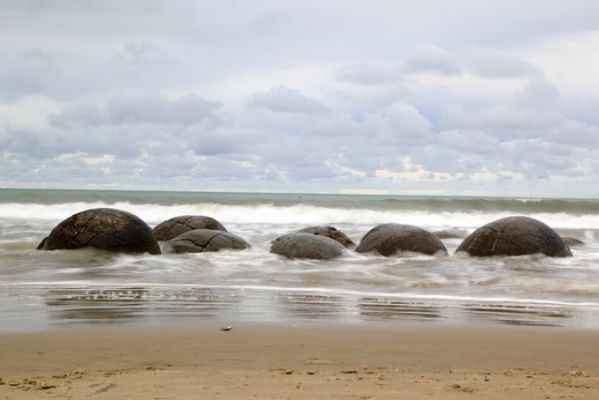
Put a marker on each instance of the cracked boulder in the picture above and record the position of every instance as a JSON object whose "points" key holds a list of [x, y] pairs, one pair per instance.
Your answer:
{"points": [[202, 240], [102, 228], [330, 232], [514, 236], [306, 245], [173, 227], [389, 239]]}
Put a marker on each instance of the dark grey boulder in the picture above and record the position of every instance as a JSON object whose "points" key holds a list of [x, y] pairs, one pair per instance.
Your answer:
{"points": [[103, 228], [388, 239], [173, 227], [42, 243], [306, 245], [570, 241], [204, 240], [330, 232], [514, 236]]}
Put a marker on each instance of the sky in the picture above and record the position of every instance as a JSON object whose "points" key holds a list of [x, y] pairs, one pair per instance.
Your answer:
{"points": [[447, 97]]}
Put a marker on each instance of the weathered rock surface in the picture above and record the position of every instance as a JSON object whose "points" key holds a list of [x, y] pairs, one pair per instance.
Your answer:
{"points": [[570, 241], [330, 232], [306, 245], [103, 228], [173, 227], [514, 236], [388, 239], [203, 240]]}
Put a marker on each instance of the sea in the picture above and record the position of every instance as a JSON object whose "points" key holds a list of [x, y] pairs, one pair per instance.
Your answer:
{"points": [[52, 289]]}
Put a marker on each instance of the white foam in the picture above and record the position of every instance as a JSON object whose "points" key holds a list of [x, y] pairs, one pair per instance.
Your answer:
{"points": [[296, 214]]}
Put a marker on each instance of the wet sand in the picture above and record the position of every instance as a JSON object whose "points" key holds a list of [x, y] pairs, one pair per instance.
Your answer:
{"points": [[305, 361]]}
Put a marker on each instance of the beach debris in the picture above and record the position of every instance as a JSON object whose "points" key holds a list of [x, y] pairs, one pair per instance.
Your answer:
{"points": [[226, 328], [351, 371], [578, 373]]}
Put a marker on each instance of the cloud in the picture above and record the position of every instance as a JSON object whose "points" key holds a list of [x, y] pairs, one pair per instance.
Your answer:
{"points": [[147, 109], [285, 100], [432, 60], [399, 124]]}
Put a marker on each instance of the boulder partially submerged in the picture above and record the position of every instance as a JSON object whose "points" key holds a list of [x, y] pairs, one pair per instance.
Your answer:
{"points": [[389, 239], [306, 245], [570, 241], [105, 229], [330, 232], [514, 236], [173, 227], [204, 240]]}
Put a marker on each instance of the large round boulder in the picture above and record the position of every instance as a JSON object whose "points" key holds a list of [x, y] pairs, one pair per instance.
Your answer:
{"points": [[514, 236], [203, 240], [571, 241], [173, 227], [306, 245], [388, 239], [330, 232], [103, 228]]}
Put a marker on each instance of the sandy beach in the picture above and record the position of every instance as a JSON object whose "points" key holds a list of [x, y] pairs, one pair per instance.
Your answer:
{"points": [[378, 361]]}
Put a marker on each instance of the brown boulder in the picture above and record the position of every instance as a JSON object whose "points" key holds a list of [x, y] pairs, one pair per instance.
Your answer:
{"points": [[306, 245], [103, 228], [204, 240], [514, 236], [173, 227], [388, 239], [330, 232]]}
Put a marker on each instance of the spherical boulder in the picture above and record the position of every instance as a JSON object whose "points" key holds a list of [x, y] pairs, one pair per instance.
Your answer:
{"points": [[173, 227], [388, 239], [204, 240], [330, 232], [103, 228], [570, 241], [306, 245], [514, 236]]}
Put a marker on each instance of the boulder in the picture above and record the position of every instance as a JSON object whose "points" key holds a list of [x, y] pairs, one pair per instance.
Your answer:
{"points": [[330, 232], [173, 227], [306, 245], [103, 228], [203, 240], [514, 236], [388, 239], [570, 241]]}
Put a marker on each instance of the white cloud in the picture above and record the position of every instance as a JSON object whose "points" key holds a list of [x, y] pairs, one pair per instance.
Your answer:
{"points": [[286, 100]]}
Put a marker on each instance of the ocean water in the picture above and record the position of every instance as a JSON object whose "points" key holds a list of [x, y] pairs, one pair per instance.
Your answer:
{"points": [[41, 289]]}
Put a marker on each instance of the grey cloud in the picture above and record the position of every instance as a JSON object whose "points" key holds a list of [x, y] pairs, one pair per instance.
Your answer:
{"points": [[148, 109], [477, 142], [399, 124], [141, 53], [494, 64], [285, 100], [433, 60], [368, 73]]}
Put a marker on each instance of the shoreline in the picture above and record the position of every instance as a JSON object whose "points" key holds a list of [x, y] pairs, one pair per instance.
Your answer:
{"points": [[419, 360]]}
